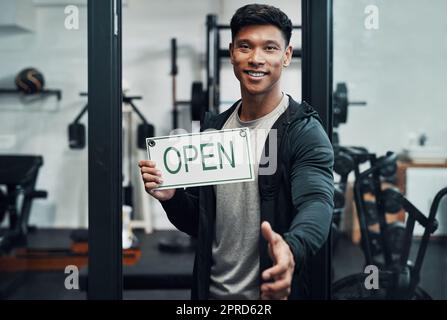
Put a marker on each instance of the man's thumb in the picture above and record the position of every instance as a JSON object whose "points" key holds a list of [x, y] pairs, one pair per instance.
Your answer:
{"points": [[267, 231]]}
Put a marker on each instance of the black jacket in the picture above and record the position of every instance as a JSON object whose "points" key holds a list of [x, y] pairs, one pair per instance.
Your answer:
{"points": [[297, 199]]}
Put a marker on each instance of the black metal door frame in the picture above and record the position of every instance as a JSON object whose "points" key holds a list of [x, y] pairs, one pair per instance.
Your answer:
{"points": [[105, 278], [317, 90]]}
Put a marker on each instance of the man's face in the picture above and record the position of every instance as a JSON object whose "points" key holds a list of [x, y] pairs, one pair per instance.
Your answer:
{"points": [[258, 55]]}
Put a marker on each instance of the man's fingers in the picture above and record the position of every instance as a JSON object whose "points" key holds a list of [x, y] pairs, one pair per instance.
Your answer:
{"points": [[278, 270], [268, 233], [279, 285], [146, 163], [150, 178], [150, 185], [149, 170]]}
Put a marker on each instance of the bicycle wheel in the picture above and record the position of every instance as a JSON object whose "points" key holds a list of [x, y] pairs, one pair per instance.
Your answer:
{"points": [[353, 288]]}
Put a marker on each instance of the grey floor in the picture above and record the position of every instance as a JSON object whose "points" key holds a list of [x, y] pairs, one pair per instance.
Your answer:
{"points": [[347, 259]]}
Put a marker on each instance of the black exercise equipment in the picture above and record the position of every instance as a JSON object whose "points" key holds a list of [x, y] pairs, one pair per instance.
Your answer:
{"points": [[389, 167], [339, 198], [371, 201], [339, 205], [391, 204], [375, 243], [367, 185], [76, 138], [343, 162], [30, 81], [353, 288], [391, 201], [45, 92], [396, 237], [18, 174], [371, 212], [374, 175], [399, 278], [144, 130], [198, 102], [76, 130], [177, 103], [340, 103]]}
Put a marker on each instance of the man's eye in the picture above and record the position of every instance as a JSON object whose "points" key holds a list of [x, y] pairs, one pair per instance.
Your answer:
{"points": [[270, 48], [243, 46]]}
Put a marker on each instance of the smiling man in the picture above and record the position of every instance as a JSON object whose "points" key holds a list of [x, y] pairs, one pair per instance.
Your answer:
{"points": [[254, 239]]}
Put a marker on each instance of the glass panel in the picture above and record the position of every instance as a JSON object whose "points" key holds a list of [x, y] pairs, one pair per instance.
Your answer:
{"points": [[43, 182], [148, 27], [391, 55]]}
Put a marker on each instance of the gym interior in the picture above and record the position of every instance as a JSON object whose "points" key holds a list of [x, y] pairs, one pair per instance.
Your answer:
{"points": [[84, 83]]}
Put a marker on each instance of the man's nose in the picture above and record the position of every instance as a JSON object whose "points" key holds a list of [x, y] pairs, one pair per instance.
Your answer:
{"points": [[256, 57]]}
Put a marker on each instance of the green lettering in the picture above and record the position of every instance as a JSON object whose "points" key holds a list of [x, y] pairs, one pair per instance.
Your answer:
{"points": [[189, 158], [221, 148], [203, 145], [166, 163]]}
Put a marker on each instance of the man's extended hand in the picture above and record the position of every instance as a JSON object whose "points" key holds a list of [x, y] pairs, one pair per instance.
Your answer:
{"points": [[283, 266]]}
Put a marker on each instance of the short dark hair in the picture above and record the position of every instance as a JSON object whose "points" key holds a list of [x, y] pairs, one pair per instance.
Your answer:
{"points": [[261, 14]]}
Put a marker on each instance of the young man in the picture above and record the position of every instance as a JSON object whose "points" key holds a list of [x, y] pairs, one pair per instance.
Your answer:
{"points": [[254, 239]]}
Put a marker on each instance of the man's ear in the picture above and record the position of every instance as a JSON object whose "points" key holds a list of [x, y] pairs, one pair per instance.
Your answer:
{"points": [[230, 48], [288, 56]]}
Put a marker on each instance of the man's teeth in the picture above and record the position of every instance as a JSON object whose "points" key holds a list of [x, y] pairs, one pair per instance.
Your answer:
{"points": [[256, 74]]}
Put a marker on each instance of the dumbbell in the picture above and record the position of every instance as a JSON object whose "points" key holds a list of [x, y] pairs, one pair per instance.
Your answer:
{"points": [[199, 101], [396, 237], [343, 163], [391, 200], [367, 185], [341, 103], [375, 244], [389, 167], [371, 212]]}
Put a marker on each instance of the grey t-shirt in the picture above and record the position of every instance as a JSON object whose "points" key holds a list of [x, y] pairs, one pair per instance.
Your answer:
{"points": [[235, 268]]}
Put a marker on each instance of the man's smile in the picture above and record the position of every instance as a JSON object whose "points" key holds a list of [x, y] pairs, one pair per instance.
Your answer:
{"points": [[256, 74]]}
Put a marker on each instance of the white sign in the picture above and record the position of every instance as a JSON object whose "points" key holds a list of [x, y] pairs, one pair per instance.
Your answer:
{"points": [[205, 158]]}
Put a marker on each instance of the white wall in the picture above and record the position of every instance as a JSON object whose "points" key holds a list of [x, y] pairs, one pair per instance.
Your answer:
{"points": [[399, 69]]}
